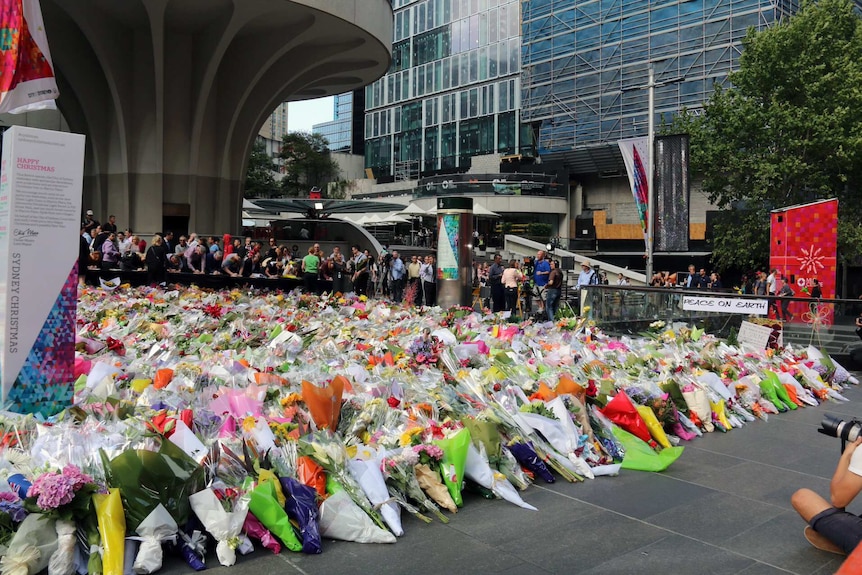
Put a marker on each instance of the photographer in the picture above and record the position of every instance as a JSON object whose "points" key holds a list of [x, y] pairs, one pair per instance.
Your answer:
{"points": [[830, 527]]}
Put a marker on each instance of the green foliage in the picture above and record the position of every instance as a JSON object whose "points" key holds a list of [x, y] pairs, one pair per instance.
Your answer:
{"points": [[259, 177], [539, 229], [787, 131], [307, 164]]}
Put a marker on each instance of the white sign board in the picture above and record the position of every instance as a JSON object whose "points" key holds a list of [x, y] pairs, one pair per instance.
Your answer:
{"points": [[755, 335], [725, 305], [41, 177]]}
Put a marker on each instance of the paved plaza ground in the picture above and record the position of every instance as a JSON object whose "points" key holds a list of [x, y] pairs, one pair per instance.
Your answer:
{"points": [[723, 508]]}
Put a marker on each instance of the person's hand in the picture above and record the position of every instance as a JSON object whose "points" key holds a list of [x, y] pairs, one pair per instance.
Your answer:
{"points": [[851, 447]]}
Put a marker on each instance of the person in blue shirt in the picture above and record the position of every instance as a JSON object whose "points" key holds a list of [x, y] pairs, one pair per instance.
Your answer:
{"points": [[397, 270], [541, 271]]}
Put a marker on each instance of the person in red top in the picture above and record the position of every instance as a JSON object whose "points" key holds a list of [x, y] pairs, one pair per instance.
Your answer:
{"points": [[228, 245]]}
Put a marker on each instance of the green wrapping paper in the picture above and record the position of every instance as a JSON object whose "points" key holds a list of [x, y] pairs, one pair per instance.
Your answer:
{"points": [[453, 463], [641, 457], [147, 478], [486, 433], [265, 507]]}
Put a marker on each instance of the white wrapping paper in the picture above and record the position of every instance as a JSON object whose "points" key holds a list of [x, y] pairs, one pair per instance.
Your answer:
{"points": [[158, 526], [223, 525], [341, 518]]}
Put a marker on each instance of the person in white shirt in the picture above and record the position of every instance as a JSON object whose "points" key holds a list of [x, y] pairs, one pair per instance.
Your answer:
{"points": [[622, 280], [587, 275], [830, 526]]}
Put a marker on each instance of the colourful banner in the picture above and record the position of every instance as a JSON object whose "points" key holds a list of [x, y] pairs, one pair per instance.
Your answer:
{"points": [[803, 246], [635, 153], [41, 177], [448, 261], [27, 80]]}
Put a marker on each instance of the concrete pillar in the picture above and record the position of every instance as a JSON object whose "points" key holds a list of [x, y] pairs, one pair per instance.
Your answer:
{"points": [[171, 93]]}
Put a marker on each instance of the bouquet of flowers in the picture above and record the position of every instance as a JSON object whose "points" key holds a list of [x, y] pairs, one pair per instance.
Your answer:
{"points": [[67, 497], [427, 473], [398, 469]]}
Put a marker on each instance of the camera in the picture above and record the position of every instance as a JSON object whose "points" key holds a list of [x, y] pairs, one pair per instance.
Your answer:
{"points": [[836, 427]]}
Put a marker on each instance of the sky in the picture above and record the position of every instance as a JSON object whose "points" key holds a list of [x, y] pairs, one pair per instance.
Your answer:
{"points": [[301, 116]]}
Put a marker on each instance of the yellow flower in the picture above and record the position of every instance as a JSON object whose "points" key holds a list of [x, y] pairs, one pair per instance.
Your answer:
{"points": [[407, 436], [248, 423]]}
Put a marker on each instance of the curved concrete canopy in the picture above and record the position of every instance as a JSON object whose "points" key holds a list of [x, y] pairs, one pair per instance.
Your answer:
{"points": [[171, 93]]}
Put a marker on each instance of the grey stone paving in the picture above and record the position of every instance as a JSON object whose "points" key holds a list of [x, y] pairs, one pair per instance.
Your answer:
{"points": [[723, 508]]}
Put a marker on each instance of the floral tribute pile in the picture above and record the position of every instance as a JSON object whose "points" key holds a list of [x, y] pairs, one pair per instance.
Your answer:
{"points": [[227, 421]]}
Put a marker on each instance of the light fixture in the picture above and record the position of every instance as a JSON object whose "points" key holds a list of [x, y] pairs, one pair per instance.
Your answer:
{"points": [[549, 247]]}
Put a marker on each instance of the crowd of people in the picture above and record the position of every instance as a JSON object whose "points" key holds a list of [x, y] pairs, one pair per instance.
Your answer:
{"points": [[103, 246]]}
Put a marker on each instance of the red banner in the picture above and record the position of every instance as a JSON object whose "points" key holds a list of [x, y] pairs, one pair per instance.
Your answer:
{"points": [[26, 74], [803, 246]]}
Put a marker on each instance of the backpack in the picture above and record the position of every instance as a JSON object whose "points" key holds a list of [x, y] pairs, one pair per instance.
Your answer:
{"points": [[594, 278]]}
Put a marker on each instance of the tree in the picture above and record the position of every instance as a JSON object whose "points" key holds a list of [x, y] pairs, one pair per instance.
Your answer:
{"points": [[259, 178], [307, 163], [788, 130]]}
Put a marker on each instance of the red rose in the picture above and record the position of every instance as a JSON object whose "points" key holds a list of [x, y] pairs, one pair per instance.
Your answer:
{"points": [[393, 401]]}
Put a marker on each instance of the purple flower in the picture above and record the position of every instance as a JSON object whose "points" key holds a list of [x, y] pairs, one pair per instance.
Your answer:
{"points": [[15, 510]]}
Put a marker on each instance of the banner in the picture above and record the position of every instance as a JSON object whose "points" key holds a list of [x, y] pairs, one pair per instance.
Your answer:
{"points": [[803, 246], [672, 193], [27, 80], [725, 304], [41, 176], [635, 153]]}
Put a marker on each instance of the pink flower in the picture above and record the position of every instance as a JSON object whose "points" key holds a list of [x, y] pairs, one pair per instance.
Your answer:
{"points": [[76, 476], [52, 491], [9, 496]]}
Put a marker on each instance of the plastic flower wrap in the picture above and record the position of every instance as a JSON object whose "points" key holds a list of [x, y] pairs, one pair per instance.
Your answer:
{"points": [[155, 529], [112, 528], [225, 526], [367, 473], [33, 545], [477, 469], [149, 478], [302, 506], [399, 471]]}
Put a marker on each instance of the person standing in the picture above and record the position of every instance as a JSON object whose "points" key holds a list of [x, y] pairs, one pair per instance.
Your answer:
{"points": [[413, 269], [397, 271], [156, 259], [110, 252], [360, 271], [771, 290], [310, 269], [760, 284], [691, 280], [429, 283], [511, 280], [495, 281], [338, 270], [555, 284], [541, 271], [110, 225]]}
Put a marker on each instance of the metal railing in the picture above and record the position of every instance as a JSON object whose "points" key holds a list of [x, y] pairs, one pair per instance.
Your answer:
{"points": [[825, 323]]}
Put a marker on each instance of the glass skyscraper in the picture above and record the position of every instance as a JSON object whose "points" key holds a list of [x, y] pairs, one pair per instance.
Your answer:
{"points": [[339, 132], [585, 66], [453, 90]]}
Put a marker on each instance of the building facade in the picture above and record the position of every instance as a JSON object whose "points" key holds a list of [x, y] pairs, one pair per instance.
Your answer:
{"points": [[586, 65], [452, 92], [345, 133], [275, 126]]}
